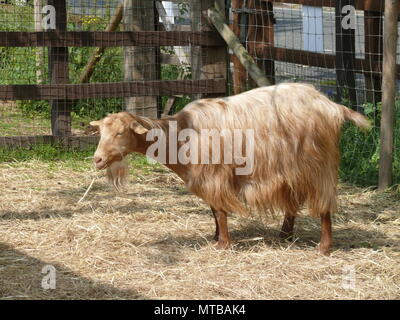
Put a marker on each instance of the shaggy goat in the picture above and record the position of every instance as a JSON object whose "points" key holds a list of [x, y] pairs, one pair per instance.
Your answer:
{"points": [[295, 156]]}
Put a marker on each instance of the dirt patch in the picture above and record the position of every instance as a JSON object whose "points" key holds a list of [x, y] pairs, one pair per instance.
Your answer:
{"points": [[155, 242]]}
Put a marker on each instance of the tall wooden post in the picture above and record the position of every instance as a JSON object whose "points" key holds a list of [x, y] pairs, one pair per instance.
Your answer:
{"points": [[260, 35], [157, 59], [195, 51], [139, 62], [388, 94], [373, 25], [256, 74], [238, 72], [345, 55], [207, 62], [37, 13], [58, 72]]}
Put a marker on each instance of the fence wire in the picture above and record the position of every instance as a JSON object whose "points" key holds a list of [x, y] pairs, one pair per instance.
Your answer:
{"points": [[97, 64], [339, 50], [337, 47]]}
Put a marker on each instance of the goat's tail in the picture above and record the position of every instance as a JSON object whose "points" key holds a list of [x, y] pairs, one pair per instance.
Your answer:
{"points": [[357, 118]]}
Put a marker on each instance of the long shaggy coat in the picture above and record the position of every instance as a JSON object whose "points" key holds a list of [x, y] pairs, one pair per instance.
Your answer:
{"points": [[296, 154]]}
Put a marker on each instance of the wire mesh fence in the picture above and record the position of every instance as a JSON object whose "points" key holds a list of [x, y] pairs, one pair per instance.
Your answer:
{"points": [[140, 53], [307, 43], [78, 60], [335, 45]]}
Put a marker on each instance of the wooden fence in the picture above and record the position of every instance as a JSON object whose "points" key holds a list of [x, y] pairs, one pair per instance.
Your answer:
{"points": [[210, 55], [260, 43]]}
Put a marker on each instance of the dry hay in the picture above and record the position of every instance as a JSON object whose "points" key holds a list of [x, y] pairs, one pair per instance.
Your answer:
{"points": [[155, 242]]}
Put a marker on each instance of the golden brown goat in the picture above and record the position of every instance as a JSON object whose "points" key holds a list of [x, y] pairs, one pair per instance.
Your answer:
{"points": [[295, 154]]}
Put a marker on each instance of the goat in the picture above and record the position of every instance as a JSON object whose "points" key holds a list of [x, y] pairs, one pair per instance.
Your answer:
{"points": [[296, 153]]}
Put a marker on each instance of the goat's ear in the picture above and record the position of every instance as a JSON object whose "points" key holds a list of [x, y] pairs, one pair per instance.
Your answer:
{"points": [[95, 123], [138, 128]]}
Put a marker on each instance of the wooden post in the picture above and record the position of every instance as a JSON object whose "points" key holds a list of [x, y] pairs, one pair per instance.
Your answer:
{"points": [[234, 44], [388, 94], [345, 56], [214, 61], [260, 35], [157, 59], [373, 25], [58, 72], [239, 72], [37, 13], [208, 62], [195, 51], [139, 62]]}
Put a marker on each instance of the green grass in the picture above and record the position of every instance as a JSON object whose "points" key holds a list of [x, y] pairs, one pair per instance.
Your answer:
{"points": [[360, 152], [17, 122], [80, 160]]}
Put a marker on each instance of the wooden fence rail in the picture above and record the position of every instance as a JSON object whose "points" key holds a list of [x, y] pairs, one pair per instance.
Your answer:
{"points": [[112, 89], [209, 74], [369, 5], [110, 39]]}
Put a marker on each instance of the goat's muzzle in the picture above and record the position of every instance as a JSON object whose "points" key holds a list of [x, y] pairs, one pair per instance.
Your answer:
{"points": [[100, 163]]}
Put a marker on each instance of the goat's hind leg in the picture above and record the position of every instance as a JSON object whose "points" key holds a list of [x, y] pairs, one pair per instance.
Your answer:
{"points": [[325, 244], [221, 233], [216, 236]]}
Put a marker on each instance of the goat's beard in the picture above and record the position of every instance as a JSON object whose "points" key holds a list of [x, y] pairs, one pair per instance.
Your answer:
{"points": [[117, 173]]}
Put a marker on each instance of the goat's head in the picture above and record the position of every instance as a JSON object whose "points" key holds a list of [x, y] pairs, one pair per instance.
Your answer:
{"points": [[118, 137]]}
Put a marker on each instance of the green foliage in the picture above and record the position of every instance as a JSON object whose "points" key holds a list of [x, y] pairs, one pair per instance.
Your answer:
{"points": [[169, 72], [360, 152]]}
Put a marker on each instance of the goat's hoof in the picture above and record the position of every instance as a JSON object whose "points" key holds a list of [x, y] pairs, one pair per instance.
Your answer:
{"points": [[222, 245], [323, 250], [287, 236]]}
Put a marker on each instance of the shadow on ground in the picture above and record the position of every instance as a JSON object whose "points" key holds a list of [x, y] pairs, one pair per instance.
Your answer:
{"points": [[21, 278]]}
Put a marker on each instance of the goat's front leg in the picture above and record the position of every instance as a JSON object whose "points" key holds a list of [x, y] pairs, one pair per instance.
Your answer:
{"points": [[287, 227], [221, 231], [326, 235]]}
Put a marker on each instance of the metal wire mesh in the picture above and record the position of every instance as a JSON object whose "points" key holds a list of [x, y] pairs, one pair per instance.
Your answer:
{"points": [[335, 45], [303, 43], [107, 58], [132, 50]]}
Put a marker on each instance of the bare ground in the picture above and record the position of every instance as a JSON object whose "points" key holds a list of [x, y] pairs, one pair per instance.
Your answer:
{"points": [[155, 242]]}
